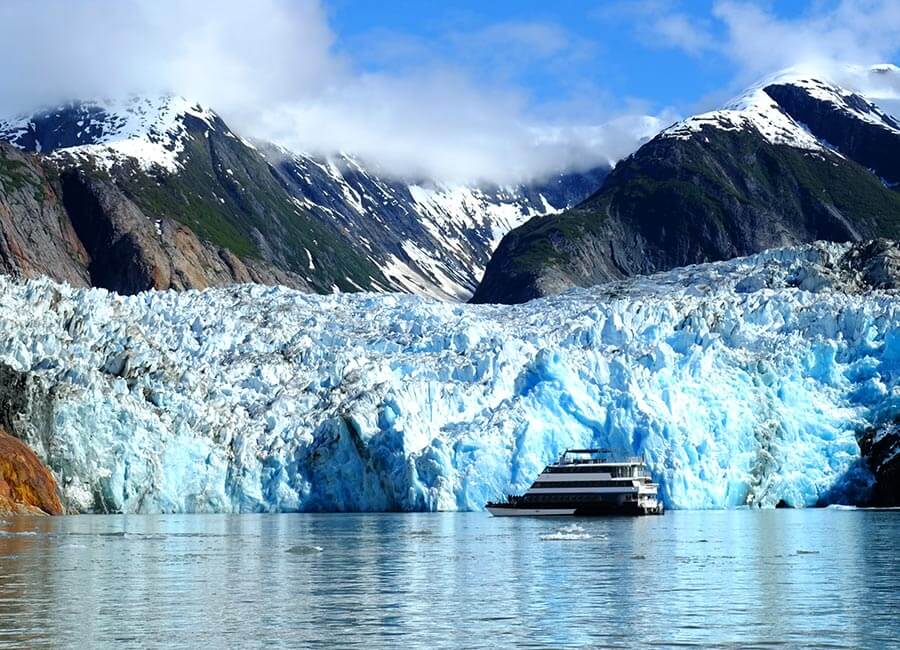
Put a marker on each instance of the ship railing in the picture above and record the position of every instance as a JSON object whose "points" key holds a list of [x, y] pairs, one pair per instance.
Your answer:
{"points": [[602, 456]]}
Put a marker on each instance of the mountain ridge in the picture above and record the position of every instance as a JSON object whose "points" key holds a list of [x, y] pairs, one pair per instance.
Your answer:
{"points": [[721, 184], [252, 211]]}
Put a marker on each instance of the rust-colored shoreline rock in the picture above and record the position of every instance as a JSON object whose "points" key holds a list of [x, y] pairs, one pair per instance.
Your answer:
{"points": [[26, 486]]}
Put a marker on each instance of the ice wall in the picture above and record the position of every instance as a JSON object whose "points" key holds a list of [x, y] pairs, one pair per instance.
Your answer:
{"points": [[741, 382]]}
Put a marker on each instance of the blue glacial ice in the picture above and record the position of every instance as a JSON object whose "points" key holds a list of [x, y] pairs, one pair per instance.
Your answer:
{"points": [[741, 382]]}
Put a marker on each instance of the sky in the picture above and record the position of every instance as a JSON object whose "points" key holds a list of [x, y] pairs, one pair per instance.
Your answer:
{"points": [[459, 90]]}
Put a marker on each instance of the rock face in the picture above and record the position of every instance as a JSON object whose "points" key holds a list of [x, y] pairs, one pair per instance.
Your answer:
{"points": [[881, 447], [788, 163], [26, 486], [36, 235], [129, 252], [81, 228]]}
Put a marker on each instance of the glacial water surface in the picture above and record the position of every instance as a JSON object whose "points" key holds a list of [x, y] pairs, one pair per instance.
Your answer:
{"points": [[819, 578]]}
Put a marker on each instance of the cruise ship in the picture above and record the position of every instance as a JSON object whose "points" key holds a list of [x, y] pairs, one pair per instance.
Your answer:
{"points": [[586, 482]]}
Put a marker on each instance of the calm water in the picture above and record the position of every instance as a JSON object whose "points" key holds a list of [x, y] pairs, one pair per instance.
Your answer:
{"points": [[816, 577]]}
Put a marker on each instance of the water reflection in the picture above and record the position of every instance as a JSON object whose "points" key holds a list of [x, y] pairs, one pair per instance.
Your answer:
{"points": [[819, 577]]}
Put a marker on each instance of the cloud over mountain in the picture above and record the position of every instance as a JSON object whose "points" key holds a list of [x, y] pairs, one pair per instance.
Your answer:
{"points": [[274, 69]]}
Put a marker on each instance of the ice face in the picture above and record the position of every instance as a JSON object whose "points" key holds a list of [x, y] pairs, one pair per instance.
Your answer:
{"points": [[741, 382]]}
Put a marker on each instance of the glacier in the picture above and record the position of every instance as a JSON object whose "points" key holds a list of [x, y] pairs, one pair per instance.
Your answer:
{"points": [[742, 383]]}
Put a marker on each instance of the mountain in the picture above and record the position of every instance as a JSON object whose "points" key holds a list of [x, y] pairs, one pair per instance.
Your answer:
{"points": [[768, 380], [794, 159], [159, 192], [428, 238]]}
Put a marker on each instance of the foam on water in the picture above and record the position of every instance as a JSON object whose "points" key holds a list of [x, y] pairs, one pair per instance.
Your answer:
{"points": [[573, 532]]}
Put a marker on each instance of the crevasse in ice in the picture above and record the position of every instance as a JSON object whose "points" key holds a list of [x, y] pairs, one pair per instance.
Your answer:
{"points": [[741, 382]]}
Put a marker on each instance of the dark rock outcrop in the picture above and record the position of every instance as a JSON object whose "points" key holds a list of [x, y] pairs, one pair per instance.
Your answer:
{"points": [[129, 252], [877, 262], [36, 235], [80, 228], [880, 446]]}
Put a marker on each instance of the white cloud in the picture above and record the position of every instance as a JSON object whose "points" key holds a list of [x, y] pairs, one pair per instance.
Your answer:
{"points": [[225, 51], [836, 40], [662, 23], [272, 69], [678, 30], [852, 31], [760, 40]]}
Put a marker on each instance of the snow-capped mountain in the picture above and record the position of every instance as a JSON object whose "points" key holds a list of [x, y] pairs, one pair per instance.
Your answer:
{"points": [[427, 237], [761, 109], [309, 222], [161, 193], [149, 130], [793, 159], [764, 380]]}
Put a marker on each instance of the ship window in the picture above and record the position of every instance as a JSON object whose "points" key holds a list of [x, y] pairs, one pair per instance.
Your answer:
{"points": [[584, 484]]}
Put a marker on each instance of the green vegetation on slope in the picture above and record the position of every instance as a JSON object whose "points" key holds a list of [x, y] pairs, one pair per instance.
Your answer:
{"points": [[15, 176], [675, 202], [227, 194]]}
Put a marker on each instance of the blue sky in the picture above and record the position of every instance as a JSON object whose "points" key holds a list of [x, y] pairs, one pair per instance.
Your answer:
{"points": [[663, 54], [454, 90]]}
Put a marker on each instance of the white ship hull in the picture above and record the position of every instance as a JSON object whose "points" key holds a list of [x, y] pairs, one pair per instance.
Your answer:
{"points": [[530, 512]]}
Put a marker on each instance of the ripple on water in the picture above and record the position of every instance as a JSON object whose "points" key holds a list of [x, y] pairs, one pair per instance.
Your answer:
{"points": [[453, 580]]}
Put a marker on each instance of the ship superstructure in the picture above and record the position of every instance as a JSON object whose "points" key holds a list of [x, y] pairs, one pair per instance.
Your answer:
{"points": [[587, 482]]}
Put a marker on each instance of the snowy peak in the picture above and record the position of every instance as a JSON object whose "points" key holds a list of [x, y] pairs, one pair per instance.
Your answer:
{"points": [[428, 237], [853, 103], [764, 107], [149, 130], [754, 110]]}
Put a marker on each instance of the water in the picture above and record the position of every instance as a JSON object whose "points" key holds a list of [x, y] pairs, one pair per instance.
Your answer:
{"points": [[815, 577]]}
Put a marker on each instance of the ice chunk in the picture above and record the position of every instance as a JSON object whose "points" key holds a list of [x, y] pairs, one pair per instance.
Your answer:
{"points": [[573, 532]]}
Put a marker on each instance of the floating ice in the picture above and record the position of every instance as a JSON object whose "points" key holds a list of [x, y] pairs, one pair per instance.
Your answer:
{"points": [[305, 549], [573, 532], [742, 382]]}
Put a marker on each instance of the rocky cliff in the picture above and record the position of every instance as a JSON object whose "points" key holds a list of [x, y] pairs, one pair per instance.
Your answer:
{"points": [[26, 486]]}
